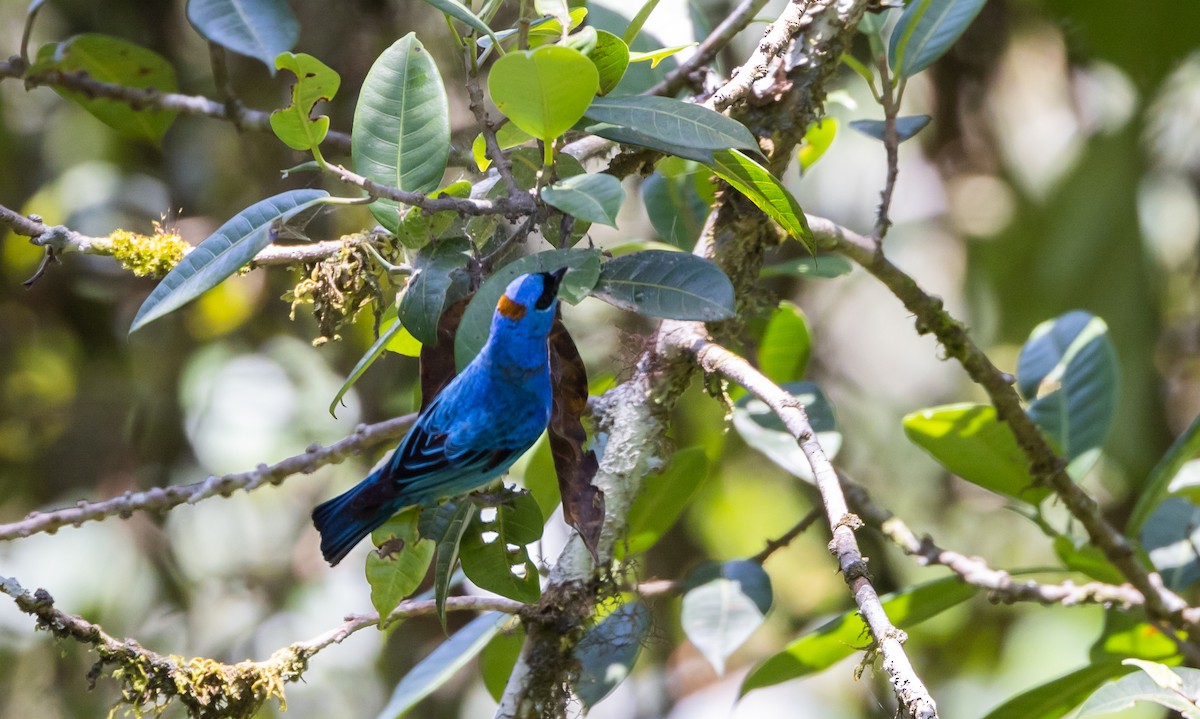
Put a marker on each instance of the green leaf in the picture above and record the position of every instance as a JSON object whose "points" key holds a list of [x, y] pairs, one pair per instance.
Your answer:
{"points": [[630, 136], [488, 558], [1170, 687], [786, 343], [671, 285], [498, 659], [1058, 697], [926, 30], [823, 266], [673, 122], [674, 203], [376, 349], [260, 29], [840, 637], [607, 653], [584, 41], [315, 82], [556, 9], [400, 562], [401, 134], [1081, 556], [656, 56], [611, 58], [440, 277], [762, 429], [970, 441], [544, 91], [442, 663], [225, 252], [1171, 536], [477, 319], [446, 524], [817, 139], [417, 228], [542, 31], [725, 605], [906, 127], [111, 59], [508, 136], [595, 197], [1126, 634], [764, 190], [663, 498], [462, 13], [639, 19], [1068, 371], [1184, 448]]}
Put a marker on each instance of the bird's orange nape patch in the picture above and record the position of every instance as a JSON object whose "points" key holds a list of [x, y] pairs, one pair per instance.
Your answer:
{"points": [[509, 308]]}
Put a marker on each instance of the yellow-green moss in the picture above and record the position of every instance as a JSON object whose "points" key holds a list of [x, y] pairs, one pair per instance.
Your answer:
{"points": [[147, 255], [338, 288]]}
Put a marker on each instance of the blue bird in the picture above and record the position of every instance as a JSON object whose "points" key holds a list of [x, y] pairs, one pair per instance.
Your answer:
{"points": [[472, 432]]}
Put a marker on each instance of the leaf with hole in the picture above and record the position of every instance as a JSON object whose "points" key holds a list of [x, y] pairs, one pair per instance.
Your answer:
{"points": [[401, 133], [443, 663], [724, 605], [583, 270], [765, 191], [260, 29], [315, 82], [822, 647], [1068, 372], [607, 653], [662, 499], [111, 59], [493, 553], [926, 30], [762, 429], [670, 285], [225, 252], [970, 441], [544, 91], [439, 277], [595, 197], [399, 563], [906, 127]]}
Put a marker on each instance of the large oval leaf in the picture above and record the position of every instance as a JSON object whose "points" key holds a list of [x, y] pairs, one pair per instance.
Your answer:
{"points": [[256, 28], [401, 132], [544, 91], [1068, 370], [671, 285], [607, 653], [926, 30], [233, 245], [595, 197], [762, 429], [673, 122], [840, 637], [764, 190], [477, 320], [114, 60], [726, 604], [970, 441]]}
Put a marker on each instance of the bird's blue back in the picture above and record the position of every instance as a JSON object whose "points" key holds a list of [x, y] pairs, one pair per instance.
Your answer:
{"points": [[472, 432]]}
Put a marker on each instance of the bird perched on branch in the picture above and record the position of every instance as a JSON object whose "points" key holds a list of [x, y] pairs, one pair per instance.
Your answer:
{"points": [[474, 429]]}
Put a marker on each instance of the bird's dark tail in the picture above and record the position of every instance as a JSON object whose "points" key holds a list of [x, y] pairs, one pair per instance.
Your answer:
{"points": [[343, 523]]}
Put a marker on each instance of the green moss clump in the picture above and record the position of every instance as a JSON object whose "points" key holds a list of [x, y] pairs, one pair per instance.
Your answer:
{"points": [[148, 255]]}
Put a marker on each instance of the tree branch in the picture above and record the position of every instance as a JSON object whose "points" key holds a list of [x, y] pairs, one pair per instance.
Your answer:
{"points": [[716, 41], [138, 98], [909, 688], [1046, 467], [161, 499]]}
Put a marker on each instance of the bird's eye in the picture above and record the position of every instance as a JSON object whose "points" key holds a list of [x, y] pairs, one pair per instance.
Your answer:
{"points": [[547, 297]]}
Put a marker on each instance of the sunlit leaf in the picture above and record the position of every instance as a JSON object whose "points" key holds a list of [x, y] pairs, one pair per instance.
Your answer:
{"points": [[260, 29], [315, 82], [786, 344], [764, 190], [595, 197], [508, 136], [724, 606], [401, 134], [544, 91], [762, 429], [817, 139], [225, 252], [926, 30], [656, 56], [671, 285]]}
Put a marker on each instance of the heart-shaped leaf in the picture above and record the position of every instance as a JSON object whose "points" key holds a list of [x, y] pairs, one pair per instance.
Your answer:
{"points": [[544, 91]]}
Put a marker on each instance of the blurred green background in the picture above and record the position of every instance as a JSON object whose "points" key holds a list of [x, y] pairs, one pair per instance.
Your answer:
{"points": [[1061, 171]]}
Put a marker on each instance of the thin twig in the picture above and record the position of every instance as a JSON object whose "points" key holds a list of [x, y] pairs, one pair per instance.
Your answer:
{"points": [[512, 207], [1045, 466], [716, 41], [890, 100], [161, 499], [774, 545], [153, 99], [889, 640], [502, 164]]}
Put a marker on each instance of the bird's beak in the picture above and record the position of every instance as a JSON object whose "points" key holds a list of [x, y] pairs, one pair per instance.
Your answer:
{"points": [[555, 278]]}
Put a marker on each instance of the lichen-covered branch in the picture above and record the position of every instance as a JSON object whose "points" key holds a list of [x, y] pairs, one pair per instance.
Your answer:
{"points": [[889, 640], [1045, 466], [138, 98], [209, 689], [717, 40], [161, 499]]}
